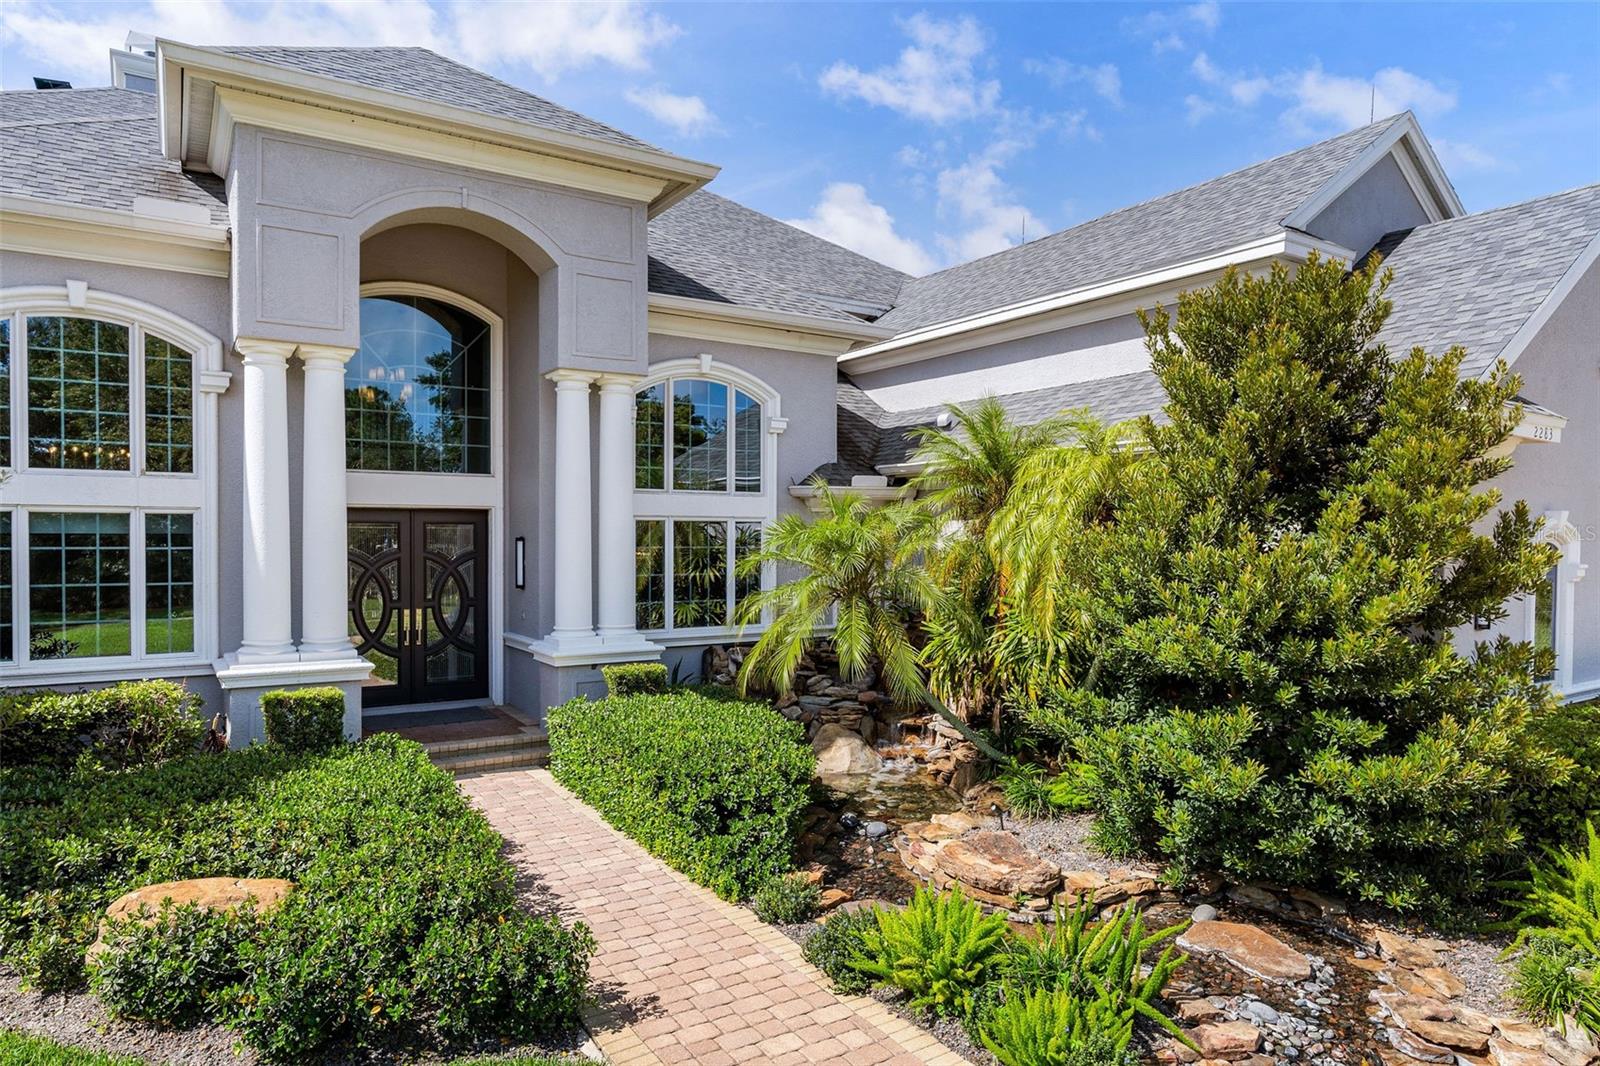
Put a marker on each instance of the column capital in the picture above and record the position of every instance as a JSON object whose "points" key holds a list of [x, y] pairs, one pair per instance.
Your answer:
{"points": [[331, 356], [568, 378], [261, 352], [620, 382]]}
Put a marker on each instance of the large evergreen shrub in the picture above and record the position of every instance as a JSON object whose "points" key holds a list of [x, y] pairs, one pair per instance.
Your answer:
{"points": [[713, 786], [1270, 608]]}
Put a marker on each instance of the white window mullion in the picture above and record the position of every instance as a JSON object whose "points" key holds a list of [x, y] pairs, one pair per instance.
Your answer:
{"points": [[19, 392], [137, 598], [20, 585], [135, 399], [667, 409], [730, 535]]}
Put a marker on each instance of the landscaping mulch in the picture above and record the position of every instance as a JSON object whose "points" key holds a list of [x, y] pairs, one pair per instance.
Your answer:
{"points": [[78, 1020]]}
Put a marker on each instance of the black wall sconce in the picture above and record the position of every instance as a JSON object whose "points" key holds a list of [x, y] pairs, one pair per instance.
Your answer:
{"points": [[521, 561]]}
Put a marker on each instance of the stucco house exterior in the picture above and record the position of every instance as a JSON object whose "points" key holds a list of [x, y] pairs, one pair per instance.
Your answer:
{"points": [[360, 367]]}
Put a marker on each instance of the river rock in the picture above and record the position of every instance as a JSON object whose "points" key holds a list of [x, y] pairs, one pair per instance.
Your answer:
{"points": [[1404, 950], [1253, 950], [1226, 1039], [1075, 883], [842, 751], [1516, 1031], [960, 821], [1410, 1043], [1451, 1035], [210, 893], [1505, 1053], [1205, 912], [1253, 896], [998, 864], [1195, 1011], [831, 898]]}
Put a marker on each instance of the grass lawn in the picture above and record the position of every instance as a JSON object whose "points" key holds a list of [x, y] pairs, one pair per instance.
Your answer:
{"points": [[20, 1049]]}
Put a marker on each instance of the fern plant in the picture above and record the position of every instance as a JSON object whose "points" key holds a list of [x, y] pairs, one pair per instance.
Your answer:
{"points": [[940, 948], [1100, 966], [1053, 1027], [1562, 900]]}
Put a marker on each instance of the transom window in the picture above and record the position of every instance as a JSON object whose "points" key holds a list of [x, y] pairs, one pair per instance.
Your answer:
{"points": [[105, 514], [417, 392], [708, 440]]}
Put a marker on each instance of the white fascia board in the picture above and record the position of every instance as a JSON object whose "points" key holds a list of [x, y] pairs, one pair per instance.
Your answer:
{"points": [[98, 234], [707, 319], [1431, 186], [1090, 303], [180, 62], [1530, 329]]}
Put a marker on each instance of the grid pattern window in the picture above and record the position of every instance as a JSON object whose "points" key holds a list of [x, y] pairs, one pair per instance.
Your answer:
{"points": [[687, 572], [168, 407], [109, 447], [708, 440], [5, 392], [650, 573], [417, 392], [650, 437], [168, 583], [7, 637], [1544, 618], [79, 395], [80, 600]]}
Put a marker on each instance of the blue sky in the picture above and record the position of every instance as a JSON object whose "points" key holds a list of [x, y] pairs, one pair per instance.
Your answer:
{"points": [[928, 134]]}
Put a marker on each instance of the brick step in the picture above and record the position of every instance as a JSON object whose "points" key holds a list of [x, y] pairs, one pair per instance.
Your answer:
{"points": [[529, 755], [528, 735]]}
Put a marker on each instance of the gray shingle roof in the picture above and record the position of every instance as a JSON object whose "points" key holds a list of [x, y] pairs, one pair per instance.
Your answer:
{"points": [[1475, 280], [93, 148], [426, 75], [710, 248], [1216, 214]]}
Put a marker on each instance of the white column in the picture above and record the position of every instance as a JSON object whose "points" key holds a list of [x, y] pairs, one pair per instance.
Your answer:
{"points": [[266, 593], [324, 549], [574, 606], [618, 620]]}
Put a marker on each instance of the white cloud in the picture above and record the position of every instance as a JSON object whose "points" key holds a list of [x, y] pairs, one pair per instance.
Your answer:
{"points": [[548, 39], [1328, 99], [845, 215], [1460, 155], [689, 115], [986, 208], [1165, 28], [1317, 100], [933, 79], [1105, 79]]}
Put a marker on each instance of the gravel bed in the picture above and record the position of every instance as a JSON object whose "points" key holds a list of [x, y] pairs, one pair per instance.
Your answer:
{"points": [[79, 1020], [951, 1033], [1065, 842]]}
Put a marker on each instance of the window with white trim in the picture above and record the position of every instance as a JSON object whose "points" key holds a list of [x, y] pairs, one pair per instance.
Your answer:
{"points": [[107, 502], [703, 478], [1551, 610]]}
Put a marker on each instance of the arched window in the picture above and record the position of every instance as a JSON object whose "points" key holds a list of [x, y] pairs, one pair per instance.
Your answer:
{"points": [[417, 393], [107, 517], [703, 476]]}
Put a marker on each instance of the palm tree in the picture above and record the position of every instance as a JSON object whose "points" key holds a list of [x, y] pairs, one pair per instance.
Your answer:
{"points": [[859, 562], [969, 473]]}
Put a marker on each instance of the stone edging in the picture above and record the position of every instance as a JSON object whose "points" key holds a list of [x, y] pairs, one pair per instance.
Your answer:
{"points": [[624, 1047]]}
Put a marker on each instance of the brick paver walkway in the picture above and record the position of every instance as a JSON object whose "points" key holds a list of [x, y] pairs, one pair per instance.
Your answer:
{"points": [[681, 975]]}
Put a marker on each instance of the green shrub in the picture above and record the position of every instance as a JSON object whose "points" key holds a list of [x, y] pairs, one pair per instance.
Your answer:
{"points": [[1553, 980], [841, 939], [382, 848], [635, 679], [1054, 1027], [304, 719], [1553, 812], [713, 787], [787, 899], [515, 978], [119, 726], [1027, 790], [177, 970], [940, 948], [48, 956]]}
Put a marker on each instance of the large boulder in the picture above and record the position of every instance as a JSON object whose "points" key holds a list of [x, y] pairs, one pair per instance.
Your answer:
{"points": [[997, 863], [841, 751], [210, 893], [1253, 950]]}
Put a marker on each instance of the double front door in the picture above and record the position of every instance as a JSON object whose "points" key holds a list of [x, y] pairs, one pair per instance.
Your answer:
{"points": [[418, 604]]}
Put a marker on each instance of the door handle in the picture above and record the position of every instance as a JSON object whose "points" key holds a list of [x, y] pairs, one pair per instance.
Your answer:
{"points": [[417, 617]]}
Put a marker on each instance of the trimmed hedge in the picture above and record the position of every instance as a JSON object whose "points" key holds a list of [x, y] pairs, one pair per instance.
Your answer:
{"points": [[304, 719], [403, 920], [635, 679], [714, 787], [119, 726]]}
